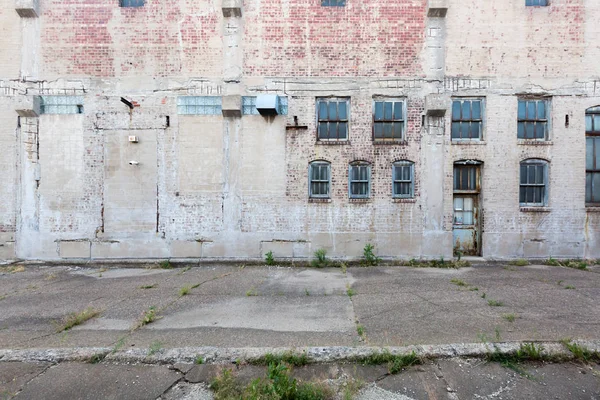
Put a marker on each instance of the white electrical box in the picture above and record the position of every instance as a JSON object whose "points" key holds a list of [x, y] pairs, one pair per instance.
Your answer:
{"points": [[133, 139]]}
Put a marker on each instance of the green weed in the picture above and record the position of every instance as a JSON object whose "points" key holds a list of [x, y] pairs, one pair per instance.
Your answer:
{"points": [[458, 282], [184, 291], [79, 318], [199, 360], [360, 330], [495, 303], [320, 260], [520, 262], [291, 358], [153, 286], [166, 264], [370, 259], [581, 353], [269, 259], [395, 363], [154, 348], [509, 317]]}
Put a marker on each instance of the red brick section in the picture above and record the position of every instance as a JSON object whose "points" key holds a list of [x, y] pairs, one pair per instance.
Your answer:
{"points": [[364, 38], [99, 38]]}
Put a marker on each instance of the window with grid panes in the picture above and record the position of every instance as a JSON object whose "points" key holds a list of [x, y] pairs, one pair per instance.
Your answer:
{"points": [[465, 177], [332, 119], [132, 3], [533, 119], [403, 179], [359, 176], [536, 2], [592, 155], [61, 104], [388, 120], [467, 119], [333, 3], [199, 105], [533, 188], [319, 173]]}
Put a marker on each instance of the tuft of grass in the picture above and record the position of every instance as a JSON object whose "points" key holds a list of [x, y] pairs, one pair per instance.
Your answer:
{"points": [[96, 358], [483, 295], [526, 352], [148, 317], [166, 264], [153, 286], [50, 277], [441, 263], [120, 343], [530, 352], [198, 360], [269, 259], [370, 259], [473, 289], [252, 292], [520, 262], [344, 267], [306, 292], [350, 292], [184, 291], [79, 318], [509, 317], [552, 262], [351, 389], [320, 260], [154, 348], [289, 357], [576, 264], [569, 287], [360, 329], [12, 269], [495, 303], [581, 353], [395, 362], [458, 282]]}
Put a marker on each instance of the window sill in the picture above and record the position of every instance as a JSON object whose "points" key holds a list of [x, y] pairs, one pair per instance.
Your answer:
{"points": [[535, 209], [592, 208], [367, 200], [390, 142], [317, 200], [468, 142], [533, 142], [333, 142], [400, 200]]}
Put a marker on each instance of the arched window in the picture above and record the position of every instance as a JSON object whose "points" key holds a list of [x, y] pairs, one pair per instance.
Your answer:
{"points": [[359, 180], [403, 179], [319, 177], [533, 187], [592, 155]]}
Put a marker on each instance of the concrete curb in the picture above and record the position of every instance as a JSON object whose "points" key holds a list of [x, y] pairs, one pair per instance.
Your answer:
{"points": [[214, 355]]}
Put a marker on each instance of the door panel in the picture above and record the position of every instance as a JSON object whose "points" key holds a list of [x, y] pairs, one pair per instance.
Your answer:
{"points": [[465, 225]]}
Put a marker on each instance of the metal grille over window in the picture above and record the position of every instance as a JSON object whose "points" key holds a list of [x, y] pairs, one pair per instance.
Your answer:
{"points": [[592, 155], [466, 119], [532, 191], [333, 3], [61, 105], [132, 3], [199, 105], [465, 177], [249, 105], [533, 119], [360, 177], [402, 174], [332, 119], [320, 175], [388, 120], [536, 2]]}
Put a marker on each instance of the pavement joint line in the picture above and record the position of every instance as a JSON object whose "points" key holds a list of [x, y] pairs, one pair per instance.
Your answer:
{"points": [[316, 355]]}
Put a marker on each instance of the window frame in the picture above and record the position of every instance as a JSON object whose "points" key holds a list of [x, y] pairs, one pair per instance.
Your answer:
{"points": [[403, 164], [529, 162], [333, 3], [311, 165], [594, 114], [200, 103], [327, 100], [481, 120], [359, 164], [402, 121], [547, 120], [529, 3], [56, 103], [132, 3]]}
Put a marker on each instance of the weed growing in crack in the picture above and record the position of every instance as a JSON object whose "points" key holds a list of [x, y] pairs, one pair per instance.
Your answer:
{"points": [[360, 329], [184, 291], [198, 360], [320, 260], [252, 292], [153, 286], [148, 317], [458, 282], [569, 287], [120, 343], [306, 292], [370, 259], [154, 348], [581, 353], [350, 292], [269, 259], [509, 317], [520, 262], [79, 318], [495, 303], [395, 362], [291, 358]]}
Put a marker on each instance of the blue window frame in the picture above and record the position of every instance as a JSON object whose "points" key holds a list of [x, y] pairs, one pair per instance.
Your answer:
{"points": [[536, 2], [388, 120], [592, 156], [131, 3], [533, 116], [332, 118], [403, 181], [359, 180], [533, 187], [467, 119], [333, 3], [319, 179]]}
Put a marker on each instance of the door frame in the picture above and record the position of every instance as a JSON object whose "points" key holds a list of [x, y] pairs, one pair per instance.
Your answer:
{"points": [[469, 189]]}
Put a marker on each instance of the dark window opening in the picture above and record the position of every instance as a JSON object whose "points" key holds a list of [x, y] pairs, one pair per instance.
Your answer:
{"points": [[332, 115]]}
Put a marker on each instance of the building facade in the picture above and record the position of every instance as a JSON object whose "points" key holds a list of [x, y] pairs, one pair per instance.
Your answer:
{"points": [[222, 129]]}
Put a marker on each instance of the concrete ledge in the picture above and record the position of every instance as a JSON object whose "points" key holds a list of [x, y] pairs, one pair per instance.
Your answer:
{"points": [[232, 8], [437, 8], [436, 105], [28, 106], [28, 8], [217, 355], [232, 106]]}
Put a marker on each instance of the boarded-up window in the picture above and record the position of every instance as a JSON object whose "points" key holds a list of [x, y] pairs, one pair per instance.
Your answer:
{"points": [[332, 116]]}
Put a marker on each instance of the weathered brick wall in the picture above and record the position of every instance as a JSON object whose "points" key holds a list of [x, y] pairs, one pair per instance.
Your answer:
{"points": [[163, 38], [10, 34], [302, 38]]}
